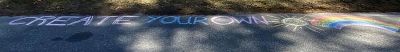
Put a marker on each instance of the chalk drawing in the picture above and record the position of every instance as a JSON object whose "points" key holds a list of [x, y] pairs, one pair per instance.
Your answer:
{"points": [[87, 21], [181, 20], [60, 19], [339, 21], [20, 21], [263, 20], [44, 19], [188, 20], [153, 18], [226, 20], [222, 20], [121, 19], [105, 18], [243, 19], [293, 22], [202, 20], [169, 19]]}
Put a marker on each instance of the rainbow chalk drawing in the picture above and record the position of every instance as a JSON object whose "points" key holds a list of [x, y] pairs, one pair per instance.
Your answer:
{"points": [[340, 21]]}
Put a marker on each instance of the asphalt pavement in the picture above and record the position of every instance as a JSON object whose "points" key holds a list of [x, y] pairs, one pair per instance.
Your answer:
{"points": [[264, 32]]}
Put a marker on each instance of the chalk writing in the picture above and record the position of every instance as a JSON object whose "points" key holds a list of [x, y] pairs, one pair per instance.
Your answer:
{"points": [[296, 22], [87, 21], [105, 18], [178, 20], [122, 20], [226, 20], [60, 19]]}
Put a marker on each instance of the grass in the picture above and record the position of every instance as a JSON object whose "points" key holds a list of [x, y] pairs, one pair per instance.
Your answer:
{"points": [[190, 7]]}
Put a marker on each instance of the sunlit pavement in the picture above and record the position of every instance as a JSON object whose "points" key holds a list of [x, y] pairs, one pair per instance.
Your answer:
{"points": [[264, 32]]}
